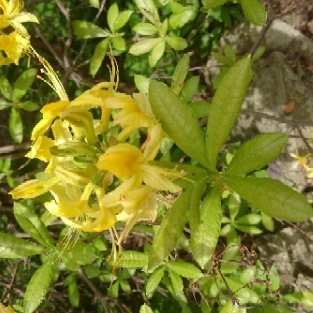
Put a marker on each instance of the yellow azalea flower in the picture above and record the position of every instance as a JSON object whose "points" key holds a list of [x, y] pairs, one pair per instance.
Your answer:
{"points": [[303, 160], [33, 188], [13, 16], [14, 45], [4, 309], [125, 160], [41, 149]]}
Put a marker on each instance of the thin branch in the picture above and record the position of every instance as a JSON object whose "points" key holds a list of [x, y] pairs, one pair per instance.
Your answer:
{"points": [[95, 290], [303, 139]]}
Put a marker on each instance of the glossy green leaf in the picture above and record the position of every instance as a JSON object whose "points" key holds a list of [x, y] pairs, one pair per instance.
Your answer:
{"points": [[249, 219], [121, 20], [149, 10], [6, 89], [87, 30], [132, 259], [256, 153], [230, 307], [145, 309], [4, 104], [144, 46], [142, 83], [200, 108], [177, 121], [31, 224], [230, 53], [29, 106], [267, 222], [16, 126], [211, 4], [176, 43], [38, 287], [119, 43], [98, 56], [156, 53], [180, 73], [112, 15], [254, 12], [145, 29], [170, 230], [271, 196], [226, 106], [16, 248], [154, 280], [249, 229], [23, 83], [179, 19], [204, 239], [185, 269], [190, 88], [94, 3], [73, 293], [194, 211], [178, 287]]}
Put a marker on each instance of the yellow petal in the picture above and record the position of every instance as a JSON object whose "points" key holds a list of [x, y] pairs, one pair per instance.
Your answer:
{"points": [[122, 160], [41, 149]]}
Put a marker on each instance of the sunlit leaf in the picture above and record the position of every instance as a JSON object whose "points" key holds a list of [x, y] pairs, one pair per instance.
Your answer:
{"points": [[38, 287], [87, 30], [145, 309], [156, 53], [211, 4], [149, 10], [112, 15], [154, 280], [98, 56], [170, 230], [176, 43], [180, 73], [5, 88], [254, 11], [204, 239], [226, 106], [271, 196], [132, 259], [177, 121], [185, 269], [146, 29], [16, 126], [23, 83], [121, 20], [144, 46]]}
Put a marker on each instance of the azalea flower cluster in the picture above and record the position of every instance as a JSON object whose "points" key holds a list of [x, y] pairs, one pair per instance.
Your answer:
{"points": [[14, 37], [95, 175], [4, 309]]}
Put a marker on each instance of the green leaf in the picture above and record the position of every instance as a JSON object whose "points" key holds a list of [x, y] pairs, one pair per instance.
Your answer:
{"points": [[211, 4], [119, 43], [267, 222], [80, 254], [6, 89], [29, 106], [190, 88], [178, 287], [229, 53], [121, 20], [38, 287], [98, 56], [132, 259], [156, 53], [4, 104], [170, 230], [142, 83], [16, 126], [221, 58], [178, 121], [145, 29], [154, 280], [194, 211], [256, 153], [73, 292], [249, 219], [271, 196], [145, 309], [112, 15], [185, 269], [204, 239], [258, 53], [226, 106], [87, 30], [200, 108], [254, 12], [180, 73], [144, 46], [16, 248], [176, 43], [149, 10], [179, 19], [32, 224], [94, 3], [230, 307], [23, 83]]}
